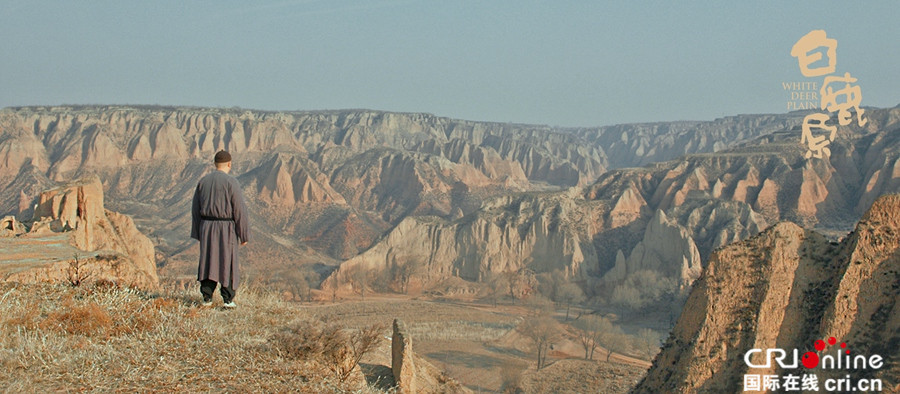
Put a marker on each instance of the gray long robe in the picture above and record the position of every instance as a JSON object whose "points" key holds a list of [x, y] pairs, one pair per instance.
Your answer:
{"points": [[218, 195]]}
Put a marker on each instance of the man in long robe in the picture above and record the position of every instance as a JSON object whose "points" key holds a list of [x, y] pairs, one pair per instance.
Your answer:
{"points": [[220, 223]]}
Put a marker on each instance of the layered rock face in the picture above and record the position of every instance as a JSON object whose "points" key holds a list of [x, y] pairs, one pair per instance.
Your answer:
{"points": [[786, 288], [770, 175], [115, 249], [507, 235], [666, 248]]}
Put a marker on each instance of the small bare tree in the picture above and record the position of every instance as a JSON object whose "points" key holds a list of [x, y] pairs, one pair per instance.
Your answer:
{"points": [[649, 340], [360, 279], [334, 287], [356, 345], [591, 329], [549, 282], [569, 293], [497, 285], [77, 273], [614, 341], [297, 281], [511, 379], [543, 331], [404, 273], [521, 283]]}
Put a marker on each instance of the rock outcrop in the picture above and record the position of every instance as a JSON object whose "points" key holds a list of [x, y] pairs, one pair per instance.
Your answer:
{"points": [[402, 360], [79, 207], [786, 288], [115, 249]]}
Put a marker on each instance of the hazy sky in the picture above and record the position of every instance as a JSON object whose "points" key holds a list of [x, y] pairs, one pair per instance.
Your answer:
{"points": [[568, 63]]}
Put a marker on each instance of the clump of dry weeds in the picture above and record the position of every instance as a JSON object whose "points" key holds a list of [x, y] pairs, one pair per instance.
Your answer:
{"points": [[87, 319], [339, 349]]}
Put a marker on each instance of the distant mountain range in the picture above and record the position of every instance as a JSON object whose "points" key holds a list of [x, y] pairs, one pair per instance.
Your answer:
{"points": [[462, 198]]}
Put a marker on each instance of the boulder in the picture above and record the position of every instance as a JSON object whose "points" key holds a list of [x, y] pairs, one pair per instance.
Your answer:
{"points": [[10, 227]]}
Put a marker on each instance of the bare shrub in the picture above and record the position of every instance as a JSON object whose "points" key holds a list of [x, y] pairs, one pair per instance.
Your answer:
{"points": [[330, 344], [359, 342], [511, 380], [302, 340], [77, 272]]}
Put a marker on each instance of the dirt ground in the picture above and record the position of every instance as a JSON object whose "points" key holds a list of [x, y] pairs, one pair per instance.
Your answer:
{"points": [[26, 252]]}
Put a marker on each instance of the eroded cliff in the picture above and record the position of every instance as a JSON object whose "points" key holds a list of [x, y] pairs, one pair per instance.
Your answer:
{"points": [[786, 288]]}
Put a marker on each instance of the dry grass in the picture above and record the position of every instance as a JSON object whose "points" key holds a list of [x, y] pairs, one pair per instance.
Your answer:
{"points": [[102, 338]]}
